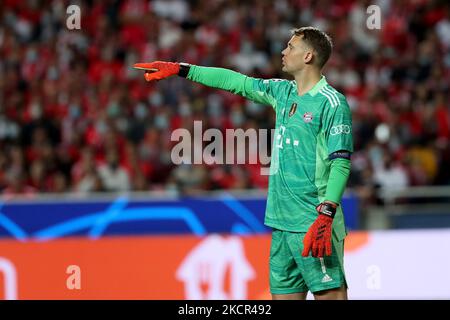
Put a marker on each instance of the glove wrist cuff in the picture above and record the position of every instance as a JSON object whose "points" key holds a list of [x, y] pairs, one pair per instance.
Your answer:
{"points": [[327, 209], [184, 69]]}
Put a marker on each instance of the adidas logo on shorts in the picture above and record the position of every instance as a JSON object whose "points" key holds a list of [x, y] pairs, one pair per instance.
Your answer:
{"points": [[326, 278]]}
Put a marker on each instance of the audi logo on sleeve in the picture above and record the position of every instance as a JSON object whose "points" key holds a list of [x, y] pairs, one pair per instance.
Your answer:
{"points": [[340, 129]]}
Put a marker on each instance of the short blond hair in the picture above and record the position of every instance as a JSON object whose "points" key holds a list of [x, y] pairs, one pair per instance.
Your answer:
{"points": [[318, 40]]}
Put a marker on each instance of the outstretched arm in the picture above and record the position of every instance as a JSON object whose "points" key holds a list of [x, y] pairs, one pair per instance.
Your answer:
{"points": [[258, 90], [221, 78]]}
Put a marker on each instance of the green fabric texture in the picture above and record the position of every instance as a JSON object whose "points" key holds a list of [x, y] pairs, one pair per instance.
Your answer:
{"points": [[290, 272], [221, 78], [308, 129], [337, 180]]}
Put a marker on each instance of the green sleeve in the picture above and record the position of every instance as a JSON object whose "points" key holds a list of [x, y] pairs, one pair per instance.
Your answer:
{"points": [[221, 78], [339, 173], [337, 125], [261, 91]]}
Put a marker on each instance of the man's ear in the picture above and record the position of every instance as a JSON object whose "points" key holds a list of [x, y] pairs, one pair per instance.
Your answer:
{"points": [[309, 57]]}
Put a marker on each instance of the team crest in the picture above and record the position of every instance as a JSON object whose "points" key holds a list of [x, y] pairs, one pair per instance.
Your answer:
{"points": [[307, 117], [293, 109]]}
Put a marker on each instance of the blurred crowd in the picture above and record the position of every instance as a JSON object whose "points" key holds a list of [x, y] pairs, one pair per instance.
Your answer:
{"points": [[74, 115]]}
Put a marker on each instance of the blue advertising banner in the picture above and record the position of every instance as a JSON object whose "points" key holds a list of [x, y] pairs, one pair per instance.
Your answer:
{"points": [[125, 215]]}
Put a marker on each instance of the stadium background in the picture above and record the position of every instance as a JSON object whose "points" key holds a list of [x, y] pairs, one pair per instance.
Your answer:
{"points": [[87, 180]]}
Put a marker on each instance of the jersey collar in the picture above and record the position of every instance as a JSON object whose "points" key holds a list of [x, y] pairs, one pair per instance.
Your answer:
{"points": [[319, 85]]}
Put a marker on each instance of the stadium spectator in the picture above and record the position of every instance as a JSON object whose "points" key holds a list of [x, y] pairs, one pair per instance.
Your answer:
{"points": [[63, 90]]}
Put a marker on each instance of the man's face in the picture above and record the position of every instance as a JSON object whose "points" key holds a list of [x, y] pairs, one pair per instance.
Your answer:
{"points": [[296, 55]]}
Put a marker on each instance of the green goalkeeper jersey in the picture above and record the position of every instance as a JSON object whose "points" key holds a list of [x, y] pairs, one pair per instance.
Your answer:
{"points": [[308, 129]]}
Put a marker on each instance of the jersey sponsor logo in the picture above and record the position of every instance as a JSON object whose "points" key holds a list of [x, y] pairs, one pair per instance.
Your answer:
{"points": [[293, 109], [307, 117], [340, 129]]}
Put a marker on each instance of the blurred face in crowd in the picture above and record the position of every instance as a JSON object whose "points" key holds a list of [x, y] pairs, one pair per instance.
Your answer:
{"points": [[296, 55]]}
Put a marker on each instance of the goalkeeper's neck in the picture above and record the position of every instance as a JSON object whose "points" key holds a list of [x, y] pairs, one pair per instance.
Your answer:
{"points": [[307, 78]]}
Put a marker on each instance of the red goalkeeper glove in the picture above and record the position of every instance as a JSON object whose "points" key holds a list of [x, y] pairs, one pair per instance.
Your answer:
{"points": [[158, 70], [318, 238]]}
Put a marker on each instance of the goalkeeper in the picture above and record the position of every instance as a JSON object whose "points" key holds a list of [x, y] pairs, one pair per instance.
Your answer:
{"points": [[309, 168]]}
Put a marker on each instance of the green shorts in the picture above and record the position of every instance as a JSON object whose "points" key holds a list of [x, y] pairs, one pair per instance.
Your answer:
{"points": [[292, 273]]}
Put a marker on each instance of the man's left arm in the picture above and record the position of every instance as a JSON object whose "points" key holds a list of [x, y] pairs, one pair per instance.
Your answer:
{"points": [[337, 123], [318, 238], [339, 173], [338, 133]]}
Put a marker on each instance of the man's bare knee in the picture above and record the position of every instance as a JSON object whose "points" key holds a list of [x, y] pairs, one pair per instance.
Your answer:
{"points": [[332, 294], [290, 296]]}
